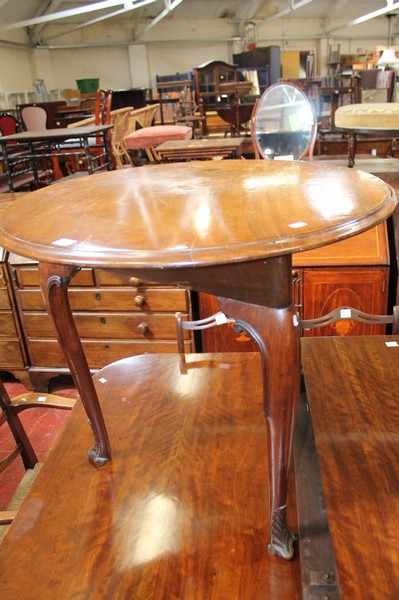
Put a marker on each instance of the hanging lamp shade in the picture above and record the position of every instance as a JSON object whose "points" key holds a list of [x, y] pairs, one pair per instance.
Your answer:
{"points": [[388, 58]]}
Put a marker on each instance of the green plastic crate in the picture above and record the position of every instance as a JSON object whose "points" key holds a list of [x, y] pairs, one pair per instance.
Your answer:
{"points": [[87, 86]]}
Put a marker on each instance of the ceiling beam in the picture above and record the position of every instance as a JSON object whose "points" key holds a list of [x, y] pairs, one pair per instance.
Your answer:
{"points": [[169, 6], [115, 13], [34, 32], [372, 15], [336, 10], [246, 10], [130, 4], [286, 11]]}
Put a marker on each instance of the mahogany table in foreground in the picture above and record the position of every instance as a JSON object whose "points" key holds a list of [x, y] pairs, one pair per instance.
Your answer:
{"points": [[352, 385], [226, 228], [179, 511]]}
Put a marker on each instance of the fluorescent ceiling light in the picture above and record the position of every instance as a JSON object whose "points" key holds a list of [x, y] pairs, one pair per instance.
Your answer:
{"points": [[376, 13], [76, 11], [114, 13]]}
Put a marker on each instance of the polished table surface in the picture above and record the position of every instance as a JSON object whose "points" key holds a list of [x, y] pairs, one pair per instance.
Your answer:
{"points": [[225, 228], [179, 513], [184, 216], [352, 386]]}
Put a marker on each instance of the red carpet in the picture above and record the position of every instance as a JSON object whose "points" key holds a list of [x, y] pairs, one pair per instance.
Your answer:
{"points": [[42, 426]]}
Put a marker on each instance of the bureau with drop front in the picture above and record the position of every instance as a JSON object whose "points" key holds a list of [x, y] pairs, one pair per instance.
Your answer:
{"points": [[116, 317], [353, 272]]}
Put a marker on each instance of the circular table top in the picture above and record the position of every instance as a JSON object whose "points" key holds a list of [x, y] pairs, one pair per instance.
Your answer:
{"points": [[193, 214]]}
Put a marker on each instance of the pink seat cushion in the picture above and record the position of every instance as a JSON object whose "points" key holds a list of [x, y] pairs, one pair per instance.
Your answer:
{"points": [[150, 137]]}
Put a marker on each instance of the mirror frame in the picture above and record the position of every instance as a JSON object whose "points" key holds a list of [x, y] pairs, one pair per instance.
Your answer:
{"points": [[312, 138]]}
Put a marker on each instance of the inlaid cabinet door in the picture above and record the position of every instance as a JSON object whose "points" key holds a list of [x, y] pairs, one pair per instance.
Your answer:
{"points": [[222, 338], [326, 289]]}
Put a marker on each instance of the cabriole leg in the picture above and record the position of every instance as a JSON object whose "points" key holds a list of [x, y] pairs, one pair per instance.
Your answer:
{"points": [[54, 282]]}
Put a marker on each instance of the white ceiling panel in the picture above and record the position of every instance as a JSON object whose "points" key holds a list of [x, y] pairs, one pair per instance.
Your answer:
{"points": [[38, 14]]}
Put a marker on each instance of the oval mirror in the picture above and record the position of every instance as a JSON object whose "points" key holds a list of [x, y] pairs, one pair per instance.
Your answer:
{"points": [[283, 123]]}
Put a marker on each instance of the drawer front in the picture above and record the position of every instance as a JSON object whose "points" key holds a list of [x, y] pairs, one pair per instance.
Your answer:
{"points": [[7, 325], [108, 325], [116, 299], [104, 277], [28, 276], [44, 353], [4, 299], [10, 354]]}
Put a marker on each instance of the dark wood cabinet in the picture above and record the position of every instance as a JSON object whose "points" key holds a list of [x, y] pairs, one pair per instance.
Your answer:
{"points": [[258, 58], [365, 289], [353, 272], [208, 78]]}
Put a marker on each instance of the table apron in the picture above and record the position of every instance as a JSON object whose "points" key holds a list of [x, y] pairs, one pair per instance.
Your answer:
{"points": [[265, 282]]}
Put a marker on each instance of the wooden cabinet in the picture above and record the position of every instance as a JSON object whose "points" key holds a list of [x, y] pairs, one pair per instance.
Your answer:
{"points": [[12, 350], [208, 78], [116, 317], [352, 272], [365, 289], [268, 57]]}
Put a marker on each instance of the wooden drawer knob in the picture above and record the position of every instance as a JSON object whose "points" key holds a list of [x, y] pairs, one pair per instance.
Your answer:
{"points": [[139, 301], [134, 281], [142, 328]]}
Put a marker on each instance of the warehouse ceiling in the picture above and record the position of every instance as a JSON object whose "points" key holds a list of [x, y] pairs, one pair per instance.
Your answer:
{"points": [[36, 15]]}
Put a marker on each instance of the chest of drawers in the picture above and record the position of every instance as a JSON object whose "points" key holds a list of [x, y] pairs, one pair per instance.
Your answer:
{"points": [[13, 358], [116, 317]]}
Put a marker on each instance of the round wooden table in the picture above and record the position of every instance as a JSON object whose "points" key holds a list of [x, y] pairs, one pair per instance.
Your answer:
{"points": [[225, 228]]}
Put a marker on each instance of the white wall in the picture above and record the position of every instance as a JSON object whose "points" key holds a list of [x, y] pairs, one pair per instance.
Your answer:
{"points": [[168, 48], [109, 64], [16, 69], [177, 58]]}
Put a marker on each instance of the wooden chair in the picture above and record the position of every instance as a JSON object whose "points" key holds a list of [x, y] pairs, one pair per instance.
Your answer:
{"points": [[283, 124], [34, 118], [102, 110], [191, 113], [88, 104], [122, 126], [102, 116], [9, 414]]}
